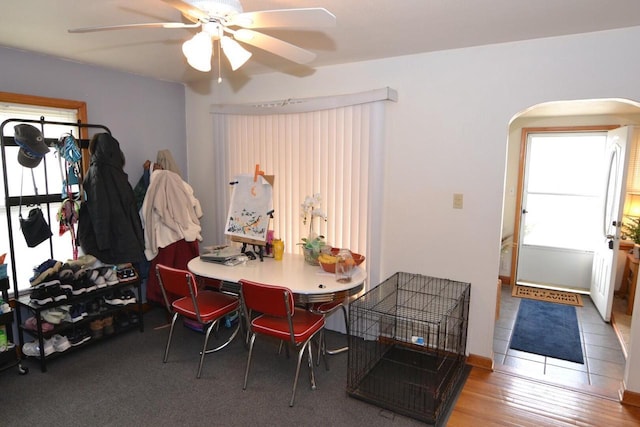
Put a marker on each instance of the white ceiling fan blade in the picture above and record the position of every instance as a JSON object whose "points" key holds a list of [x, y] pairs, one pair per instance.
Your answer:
{"points": [[275, 46], [133, 26], [280, 18], [189, 10]]}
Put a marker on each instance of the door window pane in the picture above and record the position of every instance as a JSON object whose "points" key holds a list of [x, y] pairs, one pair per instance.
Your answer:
{"points": [[560, 221]]}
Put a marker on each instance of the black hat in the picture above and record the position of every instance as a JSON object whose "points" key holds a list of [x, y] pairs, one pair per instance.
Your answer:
{"points": [[32, 145]]}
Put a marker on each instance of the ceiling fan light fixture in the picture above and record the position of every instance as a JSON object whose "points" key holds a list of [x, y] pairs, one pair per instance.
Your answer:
{"points": [[236, 54], [198, 51]]}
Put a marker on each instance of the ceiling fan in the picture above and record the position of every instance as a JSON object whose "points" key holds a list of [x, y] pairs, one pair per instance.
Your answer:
{"points": [[224, 21]]}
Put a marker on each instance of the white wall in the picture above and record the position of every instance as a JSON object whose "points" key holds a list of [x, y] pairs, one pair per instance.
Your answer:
{"points": [[447, 134]]}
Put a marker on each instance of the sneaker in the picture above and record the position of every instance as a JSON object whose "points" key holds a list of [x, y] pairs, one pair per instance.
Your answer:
{"points": [[76, 313], [83, 278], [48, 274], [100, 282], [77, 286], [43, 267], [33, 348], [128, 297], [47, 266], [114, 298], [83, 261], [93, 307], [53, 315], [60, 343], [41, 296], [110, 275], [78, 336]]}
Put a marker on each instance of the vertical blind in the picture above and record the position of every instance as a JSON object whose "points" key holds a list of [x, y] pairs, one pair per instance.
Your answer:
{"points": [[332, 147]]}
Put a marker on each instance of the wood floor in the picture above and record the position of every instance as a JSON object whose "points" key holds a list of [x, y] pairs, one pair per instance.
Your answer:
{"points": [[503, 399]]}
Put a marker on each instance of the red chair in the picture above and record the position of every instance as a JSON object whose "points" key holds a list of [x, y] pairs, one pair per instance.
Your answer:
{"points": [[206, 307], [276, 316]]}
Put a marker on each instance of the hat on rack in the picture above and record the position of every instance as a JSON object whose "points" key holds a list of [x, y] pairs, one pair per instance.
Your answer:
{"points": [[32, 145]]}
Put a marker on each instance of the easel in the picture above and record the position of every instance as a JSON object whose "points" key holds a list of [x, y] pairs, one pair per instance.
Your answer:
{"points": [[258, 245]]}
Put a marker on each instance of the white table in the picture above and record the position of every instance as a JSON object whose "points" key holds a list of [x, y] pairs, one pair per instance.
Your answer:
{"points": [[308, 283]]}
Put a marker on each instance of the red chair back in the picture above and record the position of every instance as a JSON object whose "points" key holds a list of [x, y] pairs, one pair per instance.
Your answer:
{"points": [[177, 285], [271, 300]]}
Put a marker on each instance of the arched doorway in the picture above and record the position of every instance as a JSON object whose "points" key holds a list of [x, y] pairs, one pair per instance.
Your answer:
{"points": [[582, 113]]}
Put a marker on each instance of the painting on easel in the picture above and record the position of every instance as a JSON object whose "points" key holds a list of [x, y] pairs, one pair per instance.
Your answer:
{"points": [[251, 208]]}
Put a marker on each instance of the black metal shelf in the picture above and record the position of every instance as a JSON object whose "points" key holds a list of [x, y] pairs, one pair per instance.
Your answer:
{"points": [[25, 302]]}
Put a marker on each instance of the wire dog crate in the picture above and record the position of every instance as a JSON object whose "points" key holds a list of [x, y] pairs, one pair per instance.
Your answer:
{"points": [[407, 344]]}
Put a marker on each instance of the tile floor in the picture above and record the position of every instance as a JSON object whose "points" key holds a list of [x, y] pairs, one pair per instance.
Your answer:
{"points": [[602, 371]]}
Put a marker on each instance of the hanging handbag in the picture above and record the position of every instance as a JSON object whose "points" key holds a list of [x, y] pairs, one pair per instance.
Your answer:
{"points": [[34, 228]]}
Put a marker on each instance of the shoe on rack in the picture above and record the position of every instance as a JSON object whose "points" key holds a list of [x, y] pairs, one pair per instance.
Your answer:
{"points": [[41, 296], [78, 336], [49, 267], [47, 292], [43, 267], [77, 313], [97, 328], [83, 278], [60, 343], [33, 348], [53, 315], [51, 288], [128, 297], [114, 298], [32, 324], [93, 307], [83, 261], [108, 325], [110, 275], [100, 282]]}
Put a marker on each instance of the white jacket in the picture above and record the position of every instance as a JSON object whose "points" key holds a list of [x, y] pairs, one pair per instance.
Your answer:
{"points": [[169, 212]]}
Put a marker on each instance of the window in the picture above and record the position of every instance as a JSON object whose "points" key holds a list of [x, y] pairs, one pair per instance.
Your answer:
{"points": [[48, 179], [332, 146]]}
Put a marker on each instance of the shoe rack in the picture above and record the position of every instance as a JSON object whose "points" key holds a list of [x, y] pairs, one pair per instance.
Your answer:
{"points": [[129, 280], [9, 355]]}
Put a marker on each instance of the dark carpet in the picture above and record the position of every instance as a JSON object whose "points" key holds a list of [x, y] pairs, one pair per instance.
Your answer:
{"points": [[123, 382], [547, 329]]}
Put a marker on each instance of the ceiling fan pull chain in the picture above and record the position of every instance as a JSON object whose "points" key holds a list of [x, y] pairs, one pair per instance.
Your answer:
{"points": [[219, 68]]}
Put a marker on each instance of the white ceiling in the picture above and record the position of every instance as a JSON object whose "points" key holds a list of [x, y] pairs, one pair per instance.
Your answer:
{"points": [[366, 29]]}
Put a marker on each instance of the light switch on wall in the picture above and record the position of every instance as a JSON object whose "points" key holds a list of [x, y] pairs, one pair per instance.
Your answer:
{"points": [[457, 200]]}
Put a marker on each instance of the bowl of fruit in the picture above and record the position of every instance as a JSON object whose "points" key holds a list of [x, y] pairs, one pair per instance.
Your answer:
{"points": [[328, 260]]}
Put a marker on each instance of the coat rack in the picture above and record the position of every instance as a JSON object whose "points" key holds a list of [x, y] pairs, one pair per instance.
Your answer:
{"points": [[47, 197]]}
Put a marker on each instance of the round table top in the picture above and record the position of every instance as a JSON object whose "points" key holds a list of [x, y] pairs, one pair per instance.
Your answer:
{"points": [[307, 282]]}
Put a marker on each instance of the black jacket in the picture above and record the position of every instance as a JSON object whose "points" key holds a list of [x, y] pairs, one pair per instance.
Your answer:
{"points": [[109, 226]]}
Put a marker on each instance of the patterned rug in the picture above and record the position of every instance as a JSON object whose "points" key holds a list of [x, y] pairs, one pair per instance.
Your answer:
{"points": [[549, 295]]}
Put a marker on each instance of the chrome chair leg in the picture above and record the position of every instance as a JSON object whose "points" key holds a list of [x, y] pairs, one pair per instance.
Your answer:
{"points": [[166, 350], [227, 342], [252, 340], [322, 346], [346, 325], [306, 347]]}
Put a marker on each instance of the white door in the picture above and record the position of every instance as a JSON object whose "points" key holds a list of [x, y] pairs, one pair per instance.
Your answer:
{"points": [[604, 260], [561, 209]]}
